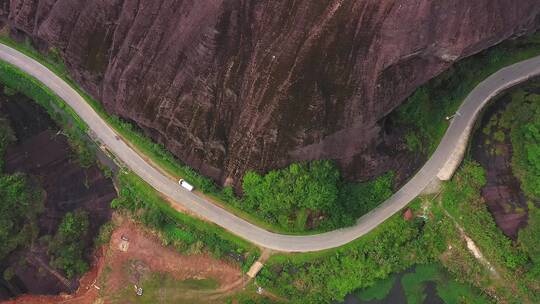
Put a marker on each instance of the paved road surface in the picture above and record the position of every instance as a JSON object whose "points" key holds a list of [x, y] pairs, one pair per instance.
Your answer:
{"points": [[503, 79]]}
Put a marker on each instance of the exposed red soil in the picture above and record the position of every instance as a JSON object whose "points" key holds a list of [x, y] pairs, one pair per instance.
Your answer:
{"points": [[108, 270], [147, 248]]}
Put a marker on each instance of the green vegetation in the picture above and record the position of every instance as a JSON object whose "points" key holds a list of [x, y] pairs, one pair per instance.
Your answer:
{"points": [[163, 288], [461, 198], [398, 244], [186, 234], [251, 299], [530, 243], [20, 204], [9, 91], [522, 118], [424, 113], [68, 244], [324, 276], [21, 201], [359, 198], [104, 235], [287, 197], [463, 201], [279, 193]]}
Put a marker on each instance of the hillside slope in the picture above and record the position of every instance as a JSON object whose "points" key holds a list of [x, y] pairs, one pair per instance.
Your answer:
{"points": [[231, 85]]}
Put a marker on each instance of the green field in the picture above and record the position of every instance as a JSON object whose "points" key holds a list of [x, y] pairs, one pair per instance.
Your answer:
{"points": [[162, 288]]}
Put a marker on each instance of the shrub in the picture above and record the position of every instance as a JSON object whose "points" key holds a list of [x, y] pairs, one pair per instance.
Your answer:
{"points": [[68, 244], [20, 203]]}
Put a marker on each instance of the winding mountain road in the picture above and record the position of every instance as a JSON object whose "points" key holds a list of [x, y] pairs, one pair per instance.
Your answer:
{"points": [[441, 165]]}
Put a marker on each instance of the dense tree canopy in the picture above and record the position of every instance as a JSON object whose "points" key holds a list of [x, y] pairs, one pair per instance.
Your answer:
{"points": [[68, 244], [529, 237], [278, 193], [20, 203], [531, 146], [289, 195], [522, 118]]}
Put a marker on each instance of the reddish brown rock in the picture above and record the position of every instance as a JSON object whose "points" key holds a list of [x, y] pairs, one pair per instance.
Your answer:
{"points": [[408, 214], [244, 84]]}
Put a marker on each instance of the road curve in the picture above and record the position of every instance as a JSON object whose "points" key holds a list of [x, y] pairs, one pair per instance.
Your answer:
{"points": [[459, 127]]}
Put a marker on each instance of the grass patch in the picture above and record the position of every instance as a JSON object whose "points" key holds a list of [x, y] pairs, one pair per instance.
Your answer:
{"points": [[163, 288], [200, 284]]}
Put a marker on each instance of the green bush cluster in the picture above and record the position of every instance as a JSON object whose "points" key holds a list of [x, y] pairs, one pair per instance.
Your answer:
{"points": [[529, 241], [20, 204], [287, 197], [67, 247], [522, 116]]}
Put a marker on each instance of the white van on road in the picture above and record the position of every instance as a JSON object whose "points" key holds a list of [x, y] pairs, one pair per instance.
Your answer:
{"points": [[185, 185]]}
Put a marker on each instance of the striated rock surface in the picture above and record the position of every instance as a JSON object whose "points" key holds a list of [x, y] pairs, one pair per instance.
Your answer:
{"points": [[231, 85]]}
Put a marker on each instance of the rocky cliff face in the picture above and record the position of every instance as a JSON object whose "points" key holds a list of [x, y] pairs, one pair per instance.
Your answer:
{"points": [[230, 85]]}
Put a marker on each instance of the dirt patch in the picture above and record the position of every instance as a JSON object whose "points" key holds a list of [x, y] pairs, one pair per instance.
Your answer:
{"points": [[115, 270], [145, 253]]}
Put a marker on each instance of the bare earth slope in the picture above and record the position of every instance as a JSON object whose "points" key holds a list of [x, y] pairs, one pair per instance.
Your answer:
{"points": [[230, 85]]}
